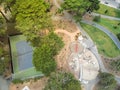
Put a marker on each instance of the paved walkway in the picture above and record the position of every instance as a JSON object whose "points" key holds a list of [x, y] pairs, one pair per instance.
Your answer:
{"points": [[111, 35], [105, 16], [3, 84]]}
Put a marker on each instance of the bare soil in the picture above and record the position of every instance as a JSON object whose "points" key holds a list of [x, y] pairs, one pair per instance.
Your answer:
{"points": [[33, 85], [67, 25]]}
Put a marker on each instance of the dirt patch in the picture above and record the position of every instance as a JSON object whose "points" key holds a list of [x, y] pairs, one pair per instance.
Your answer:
{"points": [[33, 85], [67, 25], [62, 57], [107, 63]]}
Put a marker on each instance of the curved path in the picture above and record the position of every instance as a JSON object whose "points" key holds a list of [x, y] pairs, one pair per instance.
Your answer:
{"points": [[105, 16], [111, 35]]}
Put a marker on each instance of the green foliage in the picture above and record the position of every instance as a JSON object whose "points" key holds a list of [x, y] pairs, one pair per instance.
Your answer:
{"points": [[1, 51], [79, 7], [17, 81], [3, 64], [118, 36], [116, 65], [2, 26], [62, 81], [106, 11], [32, 17], [97, 19], [2, 67], [107, 81], [43, 55]]}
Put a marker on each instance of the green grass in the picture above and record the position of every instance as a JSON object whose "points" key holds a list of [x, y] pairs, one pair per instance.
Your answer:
{"points": [[104, 44], [111, 11], [27, 73], [31, 72], [109, 24]]}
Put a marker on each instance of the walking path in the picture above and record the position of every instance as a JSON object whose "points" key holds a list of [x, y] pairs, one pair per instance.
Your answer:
{"points": [[110, 34], [3, 84], [105, 16]]}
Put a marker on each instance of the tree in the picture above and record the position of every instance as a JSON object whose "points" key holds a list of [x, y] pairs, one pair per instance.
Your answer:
{"points": [[107, 81], [79, 7], [32, 17], [6, 4], [43, 55], [62, 81]]}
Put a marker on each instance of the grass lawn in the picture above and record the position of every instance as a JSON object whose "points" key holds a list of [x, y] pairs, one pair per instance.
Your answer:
{"points": [[30, 72], [109, 24], [104, 44], [111, 11]]}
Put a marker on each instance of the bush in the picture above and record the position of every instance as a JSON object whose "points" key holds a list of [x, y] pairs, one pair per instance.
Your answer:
{"points": [[115, 27], [106, 11], [1, 51], [107, 81], [97, 19], [118, 36], [17, 81]]}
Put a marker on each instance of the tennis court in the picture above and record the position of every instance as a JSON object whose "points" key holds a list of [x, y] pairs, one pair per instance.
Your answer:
{"points": [[22, 54]]}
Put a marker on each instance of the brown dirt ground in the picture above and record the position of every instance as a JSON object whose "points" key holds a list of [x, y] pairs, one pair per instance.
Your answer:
{"points": [[66, 25], [107, 61], [33, 85]]}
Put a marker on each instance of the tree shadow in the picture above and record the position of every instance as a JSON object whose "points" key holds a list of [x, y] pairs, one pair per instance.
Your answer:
{"points": [[117, 13]]}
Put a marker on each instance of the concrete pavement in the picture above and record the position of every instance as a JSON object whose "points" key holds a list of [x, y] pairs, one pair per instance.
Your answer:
{"points": [[3, 84], [111, 3], [105, 16]]}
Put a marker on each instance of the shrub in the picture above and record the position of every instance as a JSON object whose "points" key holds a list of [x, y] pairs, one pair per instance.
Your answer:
{"points": [[118, 36], [17, 81], [115, 27], [97, 19], [106, 11]]}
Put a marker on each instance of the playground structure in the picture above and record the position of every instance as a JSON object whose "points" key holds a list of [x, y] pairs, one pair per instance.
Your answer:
{"points": [[82, 62]]}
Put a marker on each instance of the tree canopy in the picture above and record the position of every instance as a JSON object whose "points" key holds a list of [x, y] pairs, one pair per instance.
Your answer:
{"points": [[107, 81], [79, 7], [62, 81], [31, 17], [116, 65], [43, 57]]}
